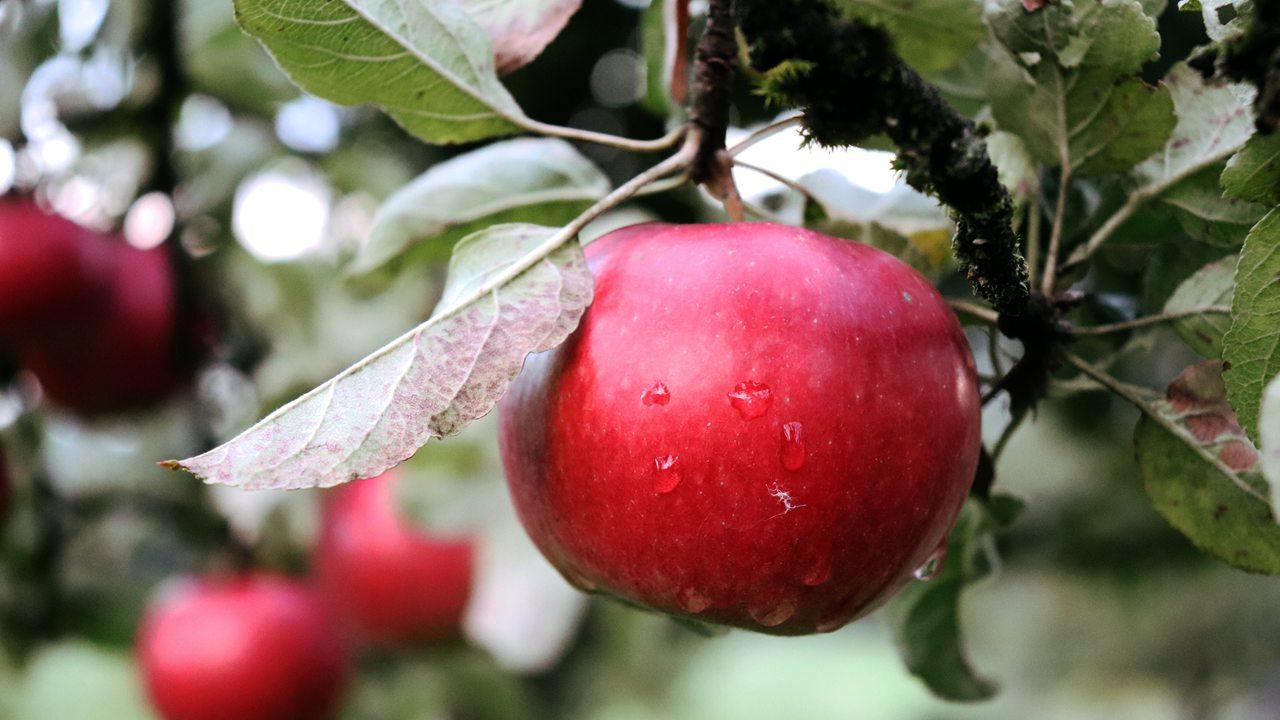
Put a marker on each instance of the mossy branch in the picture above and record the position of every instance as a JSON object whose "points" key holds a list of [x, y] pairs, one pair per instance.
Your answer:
{"points": [[846, 77]]}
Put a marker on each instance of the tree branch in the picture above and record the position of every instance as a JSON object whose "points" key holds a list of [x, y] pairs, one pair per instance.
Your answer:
{"points": [[714, 62], [845, 76]]}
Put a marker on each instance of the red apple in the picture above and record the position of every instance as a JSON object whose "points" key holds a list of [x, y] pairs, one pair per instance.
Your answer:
{"points": [[754, 425], [126, 358], [54, 274], [387, 582], [253, 648]]}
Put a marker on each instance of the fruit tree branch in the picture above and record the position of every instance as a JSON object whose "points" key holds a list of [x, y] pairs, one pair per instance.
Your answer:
{"points": [[714, 62], [850, 84]]}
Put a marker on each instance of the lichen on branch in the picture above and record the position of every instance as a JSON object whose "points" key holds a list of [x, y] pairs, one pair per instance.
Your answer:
{"points": [[846, 77]]}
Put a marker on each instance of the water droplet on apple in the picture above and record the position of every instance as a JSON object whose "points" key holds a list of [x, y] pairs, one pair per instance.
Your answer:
{"points": [[693, 601], [773, 612], [668, 477], [818, 572], [832, 622], [751, 399], [656, 395], [931, 567], [582, 583], [792, 446]]}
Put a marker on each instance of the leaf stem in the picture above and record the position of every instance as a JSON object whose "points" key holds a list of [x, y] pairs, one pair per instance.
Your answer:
{"points": [[598, 138], [776, 177], [1055, 234], [984, 314], [1152, 320], [1135, 396], [1113, 223], [1034, 220], [764, 133]]}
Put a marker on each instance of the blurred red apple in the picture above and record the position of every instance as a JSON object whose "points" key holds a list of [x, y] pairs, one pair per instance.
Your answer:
{"points": [[754, 425], [95, 320], [252, 648], [127, 358], [54, 274], [387, 582]]}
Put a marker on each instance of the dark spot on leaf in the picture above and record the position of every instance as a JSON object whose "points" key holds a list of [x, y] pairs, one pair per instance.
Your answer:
{"points": [[1219, 512]]}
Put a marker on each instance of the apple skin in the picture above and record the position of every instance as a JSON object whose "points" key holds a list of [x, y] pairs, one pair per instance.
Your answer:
{"points": [[53, 273], [386, 582], [673, 498], [125, 359], [257, 647]]}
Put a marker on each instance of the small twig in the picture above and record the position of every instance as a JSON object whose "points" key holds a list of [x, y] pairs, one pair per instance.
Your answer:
{"points": [[1007, 434], [1055, 234], [776, 177], [1113, 223], [993, 349], [665, 142], [984, 314], [764, 133], [1152, 320], [1135, 396], [1034, 220]]}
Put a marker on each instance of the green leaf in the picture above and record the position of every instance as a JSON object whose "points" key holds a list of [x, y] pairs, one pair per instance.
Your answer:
{"points": [[902, 222], [1269, 439], [1065, 81], [430, 382], [926, 615], [538, 180], [1252, 345], [1204, 214], [930, 34], [1254, 173], [1210, 287], [426, 63], [519, 30], [1196, 461]]}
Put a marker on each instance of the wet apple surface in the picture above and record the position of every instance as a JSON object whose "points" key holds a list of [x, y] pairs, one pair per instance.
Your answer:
{"points": [[754, 425]]}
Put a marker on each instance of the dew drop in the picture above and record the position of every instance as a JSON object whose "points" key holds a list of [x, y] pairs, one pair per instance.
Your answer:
{"points": [[773, 613], [931, 567], [819, 571], [693, 601], [793, 446], [668, 477], [656, 395], [751, 399]]}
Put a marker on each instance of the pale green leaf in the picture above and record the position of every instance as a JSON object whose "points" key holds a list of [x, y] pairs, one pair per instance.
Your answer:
{"points": [[1210, 288], [1213, 121], [929, 34], [1252, 345], [1222, 18], [538, 180], [425, 62], [1269, 438], [430, 382], [1254, 173], [1195, 475], [1204, 214]]}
